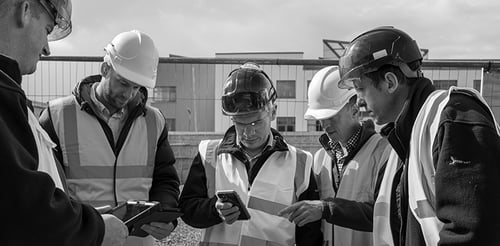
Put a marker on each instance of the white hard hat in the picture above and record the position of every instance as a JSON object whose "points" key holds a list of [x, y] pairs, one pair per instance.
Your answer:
{"points": [[133, 55], [325, 98]]}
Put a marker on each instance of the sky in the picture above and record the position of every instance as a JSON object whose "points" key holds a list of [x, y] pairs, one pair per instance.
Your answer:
{"points": [[450, 29]]}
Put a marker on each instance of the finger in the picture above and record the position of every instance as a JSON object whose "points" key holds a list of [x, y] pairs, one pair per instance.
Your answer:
{"points": [[232, 218], [229, 211], [162, 225], [223, 205], [289, 209], [156, 232], [302, 219], [297, 212]]}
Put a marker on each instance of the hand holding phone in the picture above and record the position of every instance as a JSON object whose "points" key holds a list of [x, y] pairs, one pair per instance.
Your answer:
{"points": [[232, 197]]}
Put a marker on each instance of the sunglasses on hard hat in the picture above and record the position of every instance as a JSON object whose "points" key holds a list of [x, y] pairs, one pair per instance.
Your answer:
{"points": [[244, 103], [61, 17]]}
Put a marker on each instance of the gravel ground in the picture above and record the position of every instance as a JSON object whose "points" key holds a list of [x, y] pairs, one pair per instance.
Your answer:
{"points": [[183, 235]]}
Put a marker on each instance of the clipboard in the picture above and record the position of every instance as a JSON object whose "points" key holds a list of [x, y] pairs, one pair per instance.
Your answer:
{"points": [[136, 213]]}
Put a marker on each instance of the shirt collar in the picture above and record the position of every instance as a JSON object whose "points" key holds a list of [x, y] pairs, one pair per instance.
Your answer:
{"points": [[350, 145]]}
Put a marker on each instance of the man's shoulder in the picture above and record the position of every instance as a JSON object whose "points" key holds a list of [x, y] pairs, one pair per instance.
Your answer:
{"points": [[465, 107]]}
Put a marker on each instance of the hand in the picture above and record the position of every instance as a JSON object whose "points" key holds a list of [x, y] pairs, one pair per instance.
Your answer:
{"points": [[116, 232], [158, 230], [227, 212], [303, 212]]}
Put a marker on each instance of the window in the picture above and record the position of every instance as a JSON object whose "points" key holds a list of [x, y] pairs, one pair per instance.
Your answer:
{"points": [[165, 93], [286, 124], [477, 85], [314, 126], [444, 84], [171, 124], [286, 88]]}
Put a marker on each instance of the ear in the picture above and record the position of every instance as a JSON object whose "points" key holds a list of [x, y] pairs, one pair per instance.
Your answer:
{"points": [[23, 13], [274, 110], [105, 68], [392, 81]]}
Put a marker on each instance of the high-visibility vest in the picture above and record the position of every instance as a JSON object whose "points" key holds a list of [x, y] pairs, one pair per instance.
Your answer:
{"points": [[46, 160], [421, 172], [357, 184], [272, 190], [92, 169]]}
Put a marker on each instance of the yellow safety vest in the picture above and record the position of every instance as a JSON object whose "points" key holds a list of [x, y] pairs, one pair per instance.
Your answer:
{"points": [[272, 190], [90, 161], [421, 172], [357, 184]]}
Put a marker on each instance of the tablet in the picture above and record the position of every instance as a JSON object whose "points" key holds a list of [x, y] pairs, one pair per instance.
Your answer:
{"points": [[232, 197], [136, 213]]}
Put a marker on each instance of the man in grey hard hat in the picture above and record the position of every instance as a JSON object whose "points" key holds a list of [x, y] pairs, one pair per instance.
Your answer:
{"points": [[254, 161], [347, 167], [35, 208]]}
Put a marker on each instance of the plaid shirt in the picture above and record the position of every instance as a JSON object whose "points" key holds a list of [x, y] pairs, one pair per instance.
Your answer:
{"points": [[341, 153]]}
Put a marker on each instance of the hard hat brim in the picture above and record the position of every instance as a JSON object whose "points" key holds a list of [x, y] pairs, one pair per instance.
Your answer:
{"points": [[320, 114]]}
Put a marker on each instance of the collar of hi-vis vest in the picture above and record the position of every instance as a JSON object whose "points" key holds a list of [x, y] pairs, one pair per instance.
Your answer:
{"points": [[230, 144], [398, 133]]}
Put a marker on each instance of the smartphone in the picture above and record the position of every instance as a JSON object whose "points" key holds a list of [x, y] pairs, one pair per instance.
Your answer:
{"points": [[232, 197]]}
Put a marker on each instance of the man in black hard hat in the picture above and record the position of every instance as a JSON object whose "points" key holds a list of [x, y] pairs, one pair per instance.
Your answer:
{"points": [[441, 181], [253, 160]]}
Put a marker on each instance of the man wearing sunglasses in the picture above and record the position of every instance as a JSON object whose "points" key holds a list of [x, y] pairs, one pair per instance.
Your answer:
{"points": [[35, 208], [253, 160]]}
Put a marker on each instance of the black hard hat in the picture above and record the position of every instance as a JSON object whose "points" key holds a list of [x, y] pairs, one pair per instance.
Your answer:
{"points": [[247, 90], [376, 48]]}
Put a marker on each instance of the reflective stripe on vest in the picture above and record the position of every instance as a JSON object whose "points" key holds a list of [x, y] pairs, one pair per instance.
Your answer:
{"points": [[89, 158], [357, 184], [271, 191]]}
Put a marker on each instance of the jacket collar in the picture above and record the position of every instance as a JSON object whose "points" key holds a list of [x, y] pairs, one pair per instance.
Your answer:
{"points": [[83, 89], [229, 142], [11, 68], [398, 133]]}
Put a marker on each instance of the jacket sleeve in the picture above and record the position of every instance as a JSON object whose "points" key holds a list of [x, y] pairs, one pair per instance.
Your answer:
{"points": [[466, 154], [36, 212], [199, 210], [309, 234], [165, 186]]}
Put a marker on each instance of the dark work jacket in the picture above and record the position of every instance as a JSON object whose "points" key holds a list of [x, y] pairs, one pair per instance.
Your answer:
{"points": [[34, 212], [466, 154], [346, 213], [199, 210], [165, 186]]}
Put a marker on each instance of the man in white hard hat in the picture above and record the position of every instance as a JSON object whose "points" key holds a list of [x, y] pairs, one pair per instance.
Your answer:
{"points": [[347, 167], [253, 160], [113, 146]]}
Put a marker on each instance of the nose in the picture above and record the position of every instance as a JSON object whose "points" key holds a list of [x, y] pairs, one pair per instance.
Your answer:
{"points": [[249, 131], [46, 50]]}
